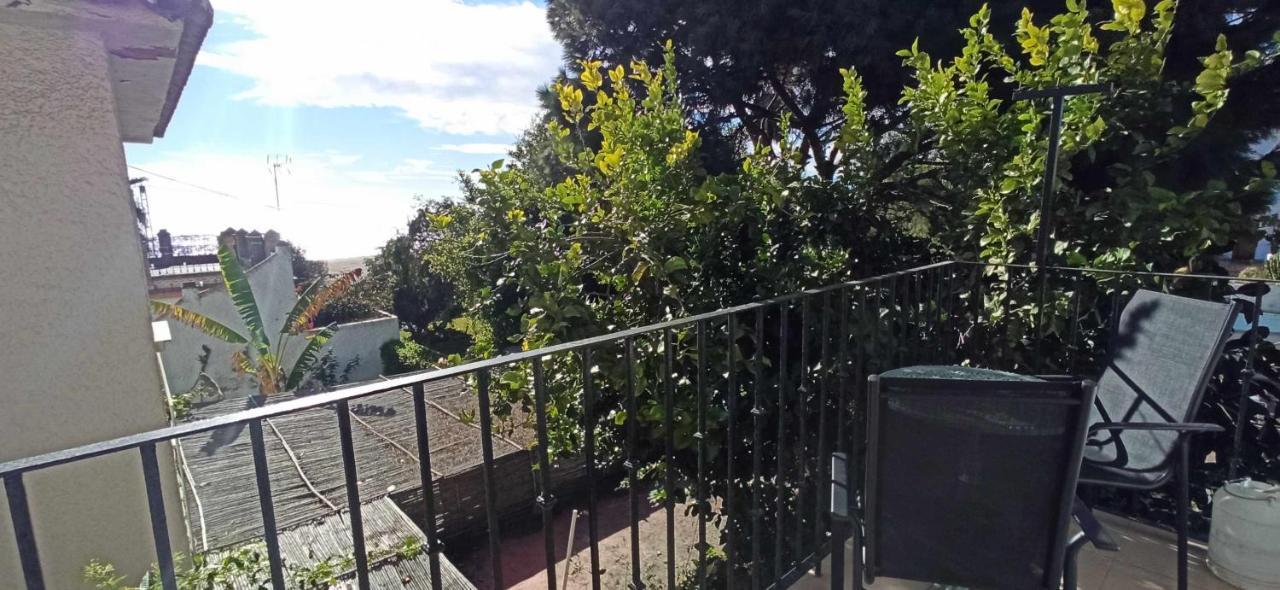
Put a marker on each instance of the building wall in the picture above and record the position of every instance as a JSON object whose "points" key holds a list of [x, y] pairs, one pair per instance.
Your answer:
{"points": [[364, 340], [272, 284], [76, 354]]}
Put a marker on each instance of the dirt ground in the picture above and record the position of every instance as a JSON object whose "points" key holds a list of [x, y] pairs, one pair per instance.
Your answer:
{"points": [[524, 559]]}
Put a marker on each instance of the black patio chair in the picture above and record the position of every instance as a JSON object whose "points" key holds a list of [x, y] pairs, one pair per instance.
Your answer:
{"points": [[1162, 356], [972, 483]]}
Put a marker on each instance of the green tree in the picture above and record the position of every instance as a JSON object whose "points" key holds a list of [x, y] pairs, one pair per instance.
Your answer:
{"points": [[1125, 199], [630, 225], [744, 65]]}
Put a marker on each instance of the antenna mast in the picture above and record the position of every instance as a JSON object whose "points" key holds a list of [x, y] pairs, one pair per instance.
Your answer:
{"points": [[274, 163]]}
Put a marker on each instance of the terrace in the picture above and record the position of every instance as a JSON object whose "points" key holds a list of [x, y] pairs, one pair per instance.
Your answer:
{"points": [[728, 418]]}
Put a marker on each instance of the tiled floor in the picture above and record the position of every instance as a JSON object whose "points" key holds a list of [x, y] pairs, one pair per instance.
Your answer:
{"points": [[1147, 560]]}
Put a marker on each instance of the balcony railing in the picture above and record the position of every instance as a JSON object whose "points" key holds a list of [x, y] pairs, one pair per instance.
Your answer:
{"points": [[735, 410]]}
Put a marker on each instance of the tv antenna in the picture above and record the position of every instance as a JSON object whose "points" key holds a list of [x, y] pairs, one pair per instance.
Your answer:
{"points": [[274, 163]]}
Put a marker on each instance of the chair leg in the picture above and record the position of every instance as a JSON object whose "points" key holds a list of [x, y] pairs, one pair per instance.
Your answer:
{"points": [[1184, 505], [839, 532], [1069, 564], [856, 565]]}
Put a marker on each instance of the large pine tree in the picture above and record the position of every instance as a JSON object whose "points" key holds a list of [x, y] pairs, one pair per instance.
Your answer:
{"points": [[744, 64]]}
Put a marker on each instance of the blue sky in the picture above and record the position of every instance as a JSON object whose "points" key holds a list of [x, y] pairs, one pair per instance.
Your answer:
{"points": [[378, 104]]}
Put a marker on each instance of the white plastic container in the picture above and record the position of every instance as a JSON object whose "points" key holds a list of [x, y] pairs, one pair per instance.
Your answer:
{"points": [[1244, 537]]}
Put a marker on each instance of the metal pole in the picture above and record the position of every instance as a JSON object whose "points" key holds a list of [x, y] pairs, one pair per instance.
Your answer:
{"points": [[568, 551], [1049, 184], [1047, 187]]}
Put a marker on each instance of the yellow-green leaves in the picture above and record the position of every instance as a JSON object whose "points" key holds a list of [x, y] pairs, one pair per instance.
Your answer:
{"points": [[590, 75], [570, 100], [1128, 16], [681, 149], [1211, 84], [855, 140], [1034, 40], [608, 161]]}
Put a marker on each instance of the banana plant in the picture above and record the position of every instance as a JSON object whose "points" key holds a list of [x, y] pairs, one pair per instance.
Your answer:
{"points": [[262, 359]]}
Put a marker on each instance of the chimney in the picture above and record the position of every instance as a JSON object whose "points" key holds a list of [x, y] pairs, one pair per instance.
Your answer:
{"points": [[269, 241], [166, 243]]}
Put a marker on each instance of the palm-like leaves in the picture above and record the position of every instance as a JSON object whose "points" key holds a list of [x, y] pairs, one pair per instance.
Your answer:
{"points": [[258, 360], [200, 322], [315, 297], [310, 353], [237, 284]]}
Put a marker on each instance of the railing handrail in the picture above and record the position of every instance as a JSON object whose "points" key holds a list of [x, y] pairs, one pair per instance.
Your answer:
{"points": [[124, 443], [1113, 271]]}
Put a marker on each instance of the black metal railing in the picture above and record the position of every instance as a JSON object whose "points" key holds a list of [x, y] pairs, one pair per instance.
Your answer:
{"points": [[739, 408]]}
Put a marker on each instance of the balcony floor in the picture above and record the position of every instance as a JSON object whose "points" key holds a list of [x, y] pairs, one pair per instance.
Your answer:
{"points": [[1147, 560]]}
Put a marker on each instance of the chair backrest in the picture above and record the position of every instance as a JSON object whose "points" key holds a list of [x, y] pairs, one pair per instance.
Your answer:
{"points": [[1162, 355], [970, 483]]}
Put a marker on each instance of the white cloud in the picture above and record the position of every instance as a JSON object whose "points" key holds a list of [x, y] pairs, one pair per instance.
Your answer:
{"points": [[500, 149], [328, 209], [459, 68]]}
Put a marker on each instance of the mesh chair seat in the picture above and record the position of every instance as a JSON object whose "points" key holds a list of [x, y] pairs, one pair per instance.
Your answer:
{"points": [[1095, 473], [1162, 356]]}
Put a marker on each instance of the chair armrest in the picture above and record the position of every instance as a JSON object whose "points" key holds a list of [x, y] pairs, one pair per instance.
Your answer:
{"points": [[1187, 427], [1093, 530]]}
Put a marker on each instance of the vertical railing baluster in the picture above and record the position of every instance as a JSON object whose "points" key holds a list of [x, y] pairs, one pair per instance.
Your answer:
{"points": [[159, 523], [939, 317], [24, 534], [486, 470], [841, 369], [1074, 349], [951, 341], [779, 481], [911, 325], [546, 501], [981, 322], [824, 354], [669, 449], [924, 324], [757, 454], [842, 386], [731, 443], [877, 338], [263, 477], [353, 494], [1040, 329], [632, 463], [802, 429], [702, 452], [893, 357], [859, 379], [589, 450], [1242, 407], [428, 486]]}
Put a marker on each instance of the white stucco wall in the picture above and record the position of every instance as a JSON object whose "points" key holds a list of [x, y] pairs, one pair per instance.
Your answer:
{"points": [[76, 358], [272, 284], [364, 340]]}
